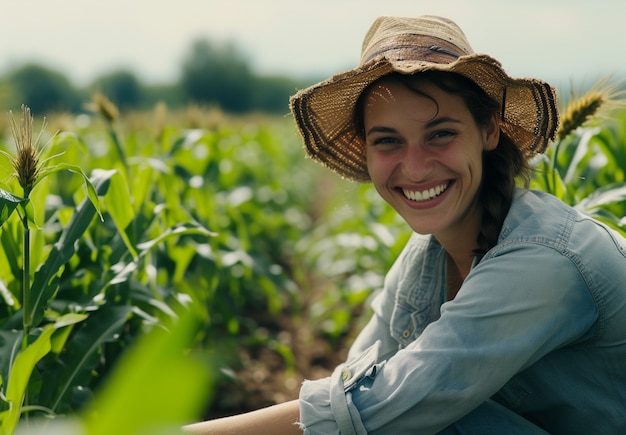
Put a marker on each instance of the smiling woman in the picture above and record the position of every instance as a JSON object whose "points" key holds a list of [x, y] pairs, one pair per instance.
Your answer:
{"points": [[505, 312], [424, 155]]}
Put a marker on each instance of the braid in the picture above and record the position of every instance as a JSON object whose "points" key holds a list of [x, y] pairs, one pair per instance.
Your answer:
{"points": [[501, 167]]}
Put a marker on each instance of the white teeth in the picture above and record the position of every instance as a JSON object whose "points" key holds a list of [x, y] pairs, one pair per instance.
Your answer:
{"points": [[425, 195]]}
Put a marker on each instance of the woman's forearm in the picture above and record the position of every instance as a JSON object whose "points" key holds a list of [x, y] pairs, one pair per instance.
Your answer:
{"points": [[274, 420]]}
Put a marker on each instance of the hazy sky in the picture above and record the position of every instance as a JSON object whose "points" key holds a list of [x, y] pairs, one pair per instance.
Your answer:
{"points": [[557, 40]]}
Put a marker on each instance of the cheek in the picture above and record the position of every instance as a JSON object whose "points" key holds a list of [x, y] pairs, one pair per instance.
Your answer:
{"points": [[375, 166], [370, 161], [474, 164], [466, 161]]}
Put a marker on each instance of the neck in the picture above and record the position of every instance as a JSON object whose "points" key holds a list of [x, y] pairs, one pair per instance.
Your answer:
{"points": [[460, 247], [455, 276]]}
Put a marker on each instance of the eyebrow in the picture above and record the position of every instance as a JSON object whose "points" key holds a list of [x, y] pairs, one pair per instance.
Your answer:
{"points": [[380, 130], [434, 123]]}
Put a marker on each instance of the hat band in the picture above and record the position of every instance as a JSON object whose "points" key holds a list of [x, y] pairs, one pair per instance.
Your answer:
{"points": [[413, 48]]}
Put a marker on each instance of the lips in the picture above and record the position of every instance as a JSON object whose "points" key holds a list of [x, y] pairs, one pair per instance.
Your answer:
{"points": [[427, 194]]}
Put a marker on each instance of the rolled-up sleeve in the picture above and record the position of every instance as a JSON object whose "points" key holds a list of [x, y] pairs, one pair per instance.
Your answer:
{"points": [[501, 321], [326, 405]]}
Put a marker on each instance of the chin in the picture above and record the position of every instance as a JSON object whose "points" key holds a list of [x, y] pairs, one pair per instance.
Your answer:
{"points": [[422, 228]]}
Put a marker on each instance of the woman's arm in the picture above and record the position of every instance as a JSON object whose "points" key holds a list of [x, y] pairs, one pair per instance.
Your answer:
{"points": [[274, 420], [503, 320]]}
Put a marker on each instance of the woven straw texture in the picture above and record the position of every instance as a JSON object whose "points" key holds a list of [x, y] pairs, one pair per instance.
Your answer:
{"points": [[325, 112]]}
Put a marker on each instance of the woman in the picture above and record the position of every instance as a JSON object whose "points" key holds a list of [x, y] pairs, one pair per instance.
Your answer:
{"points": [[506, 311]]}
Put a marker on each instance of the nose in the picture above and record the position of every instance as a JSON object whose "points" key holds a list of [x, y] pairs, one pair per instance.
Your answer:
{"points": [[418, 162]]}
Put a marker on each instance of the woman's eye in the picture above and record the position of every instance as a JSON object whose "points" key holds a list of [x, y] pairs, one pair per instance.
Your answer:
{"points": [[443, 133], [383, 142], [442, 137]]}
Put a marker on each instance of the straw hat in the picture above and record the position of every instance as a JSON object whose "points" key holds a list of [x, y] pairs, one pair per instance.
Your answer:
{"points": [[324, 112]]}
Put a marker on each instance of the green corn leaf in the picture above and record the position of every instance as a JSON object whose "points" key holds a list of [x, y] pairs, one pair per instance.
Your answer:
{"points": [[10, 254], [178, 230], [91, 190], [64, 324], [10, 342], [19, 376], [604, 196], [8, 204], [80, 355], [22, 364], [45, 281], [120, 208], [7, 296], [156, 387]]}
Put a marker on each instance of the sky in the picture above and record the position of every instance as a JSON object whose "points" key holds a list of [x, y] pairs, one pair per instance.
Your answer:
{"points": [[562, 41]]}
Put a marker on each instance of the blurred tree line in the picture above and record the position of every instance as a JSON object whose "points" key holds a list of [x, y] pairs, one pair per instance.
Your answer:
{"points": [[211, 74]]}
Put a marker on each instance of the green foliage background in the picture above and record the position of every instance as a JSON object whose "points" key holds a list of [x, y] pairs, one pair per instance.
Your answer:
{"points": [[211, 238], [224, 221]]}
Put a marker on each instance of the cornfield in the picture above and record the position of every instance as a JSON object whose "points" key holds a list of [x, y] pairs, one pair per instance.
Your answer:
{"points": [[160, 268]]}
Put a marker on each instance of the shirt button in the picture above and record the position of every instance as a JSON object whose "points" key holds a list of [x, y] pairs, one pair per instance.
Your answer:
{"points": [[406, 333], [345, 375]]}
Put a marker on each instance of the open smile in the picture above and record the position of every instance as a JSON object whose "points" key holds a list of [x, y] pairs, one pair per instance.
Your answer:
{"points": [[427, 194]]}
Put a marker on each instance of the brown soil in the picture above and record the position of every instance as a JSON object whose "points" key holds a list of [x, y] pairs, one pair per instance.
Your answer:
{"points": [[264, 378]]}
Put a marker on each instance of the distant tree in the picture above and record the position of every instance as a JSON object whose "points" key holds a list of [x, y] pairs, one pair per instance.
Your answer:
{"points": [[42, 89], [271, 93], [170, 94], [122, 87], [217, 74], [7, 98]]}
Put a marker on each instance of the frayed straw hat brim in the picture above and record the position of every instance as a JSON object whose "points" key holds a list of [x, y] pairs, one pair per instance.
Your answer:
{"points": [[325, 112]]}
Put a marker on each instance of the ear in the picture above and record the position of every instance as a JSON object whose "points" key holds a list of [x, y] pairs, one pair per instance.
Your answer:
{"points": [[491, 134]]}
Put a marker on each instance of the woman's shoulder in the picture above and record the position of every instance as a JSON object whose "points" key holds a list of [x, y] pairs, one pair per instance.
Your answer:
{"points": [[541, 218], [538, 215]]}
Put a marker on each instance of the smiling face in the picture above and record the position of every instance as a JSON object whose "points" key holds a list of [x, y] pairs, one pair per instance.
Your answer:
{"points": [[424, 155]]}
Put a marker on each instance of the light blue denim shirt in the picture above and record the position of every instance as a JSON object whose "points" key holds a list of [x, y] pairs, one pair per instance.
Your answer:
{"points": [[539, 325]]}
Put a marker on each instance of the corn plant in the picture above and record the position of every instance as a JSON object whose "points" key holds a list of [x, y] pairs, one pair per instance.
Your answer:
{"points": [[586, 165], [23, 351], [76, 293]]}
